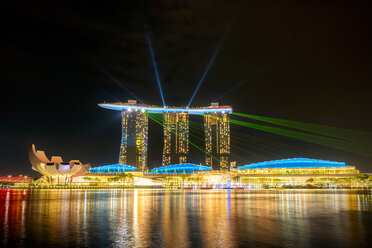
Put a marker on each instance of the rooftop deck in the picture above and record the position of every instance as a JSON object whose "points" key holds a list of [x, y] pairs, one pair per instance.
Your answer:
{"points": [[159, 110]]}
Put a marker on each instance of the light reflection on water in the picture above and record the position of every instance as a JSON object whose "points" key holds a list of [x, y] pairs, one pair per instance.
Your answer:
{"points": [[166, 218]]}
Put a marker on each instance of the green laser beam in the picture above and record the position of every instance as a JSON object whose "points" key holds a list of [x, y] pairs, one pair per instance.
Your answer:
{"points": [[187, 141], [265, 150], [200, 129], [316, 139], [320, 140], [203, 140], [268, 143], [197, 137], [340, 133], [239, 135], [291, 148], [235, 147]]}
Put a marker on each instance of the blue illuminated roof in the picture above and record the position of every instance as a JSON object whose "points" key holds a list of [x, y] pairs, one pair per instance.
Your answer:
{"points": [[293, 163], [159, 110], [180, 168], [112, 168]]}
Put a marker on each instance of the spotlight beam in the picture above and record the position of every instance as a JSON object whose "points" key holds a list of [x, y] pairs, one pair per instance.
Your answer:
{"points": [[108, 94], [155, 66], [120, 84], [210, 63], [252, 76]]}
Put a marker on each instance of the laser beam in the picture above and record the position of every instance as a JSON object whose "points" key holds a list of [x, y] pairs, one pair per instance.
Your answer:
{"points": [[253, 75], [155, 66], [117, 82], [188, 141], [108, 94], [316, 139], [210, 63], [343, 145], [340, 133]]}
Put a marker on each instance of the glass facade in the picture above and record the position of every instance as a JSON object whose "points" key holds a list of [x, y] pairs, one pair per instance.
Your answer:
{"points": [[133, 148], [298, 166], [184, 168], [176, 138], [113, 168], [217, 140]]}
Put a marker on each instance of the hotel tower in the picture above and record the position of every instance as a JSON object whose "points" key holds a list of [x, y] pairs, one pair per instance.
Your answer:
{"points": [[176, 138], [134, 138]]}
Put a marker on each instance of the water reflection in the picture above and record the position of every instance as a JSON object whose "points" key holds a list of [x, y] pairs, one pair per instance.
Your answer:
{"points": [[164, 218]]}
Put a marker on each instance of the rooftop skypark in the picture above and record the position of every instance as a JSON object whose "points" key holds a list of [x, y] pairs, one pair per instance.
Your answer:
{"points": [[120, 106]]}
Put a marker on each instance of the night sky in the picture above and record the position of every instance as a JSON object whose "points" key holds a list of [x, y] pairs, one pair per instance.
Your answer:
{"points": [[307, 61]]}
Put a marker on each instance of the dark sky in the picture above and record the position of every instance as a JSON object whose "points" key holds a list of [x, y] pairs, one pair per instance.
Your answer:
{"points": [[312, 62]]}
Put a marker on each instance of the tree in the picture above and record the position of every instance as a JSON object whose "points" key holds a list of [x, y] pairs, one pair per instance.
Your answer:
{"points": [[310, 180], [127, 178], [130, 177], [184, 178], [122, 177], [363, 177], [171, 180], [236, 178], [113, 179]]}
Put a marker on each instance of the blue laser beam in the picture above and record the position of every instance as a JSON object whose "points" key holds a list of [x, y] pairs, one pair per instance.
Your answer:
{"points": [[253, 75], [211, 62], [155, 67], [117, 82], [107, 94]]}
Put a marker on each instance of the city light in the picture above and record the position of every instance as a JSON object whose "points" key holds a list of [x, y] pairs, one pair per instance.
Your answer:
{"points": [[217, 140], [125, 157], [134, 131], [159, 122], [176, 127], [176, 135], [114, 168], [184, 168]]}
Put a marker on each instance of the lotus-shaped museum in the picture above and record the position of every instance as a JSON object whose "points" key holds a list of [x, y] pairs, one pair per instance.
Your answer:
{"points": [[55, 167]]}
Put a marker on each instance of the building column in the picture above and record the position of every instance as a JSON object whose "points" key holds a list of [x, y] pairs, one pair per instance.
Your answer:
{"points": [[217, 140], [135, 128], [124, 138], [141, 140], [176, 138]]}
